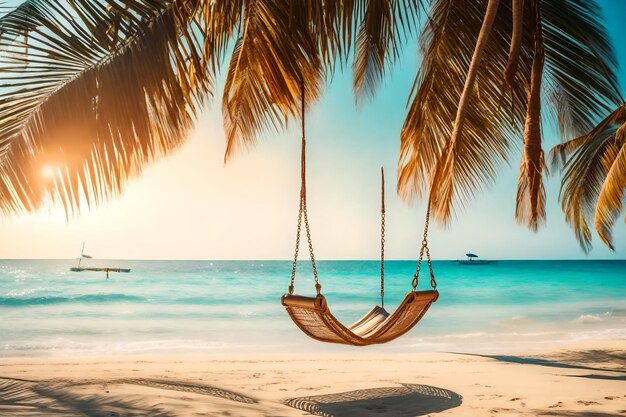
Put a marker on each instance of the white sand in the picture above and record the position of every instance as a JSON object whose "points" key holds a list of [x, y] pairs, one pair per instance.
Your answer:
{"points": [[585, 381]]}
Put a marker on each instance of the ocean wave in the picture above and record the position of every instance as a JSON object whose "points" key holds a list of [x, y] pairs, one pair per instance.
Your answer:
{"points": [[22, 293], [591, 318], [515, 321], [87, 298], [64, 347]]}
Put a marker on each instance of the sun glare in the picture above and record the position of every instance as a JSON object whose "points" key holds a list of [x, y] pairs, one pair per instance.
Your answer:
{"points": [[47, 172]]}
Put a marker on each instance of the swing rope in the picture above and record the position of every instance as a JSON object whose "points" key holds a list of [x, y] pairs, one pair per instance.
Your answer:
{"points": [[303, 215], [302, 212]]}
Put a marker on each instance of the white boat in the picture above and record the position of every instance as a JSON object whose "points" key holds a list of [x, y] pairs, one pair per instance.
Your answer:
{"points": [[472, 259]]}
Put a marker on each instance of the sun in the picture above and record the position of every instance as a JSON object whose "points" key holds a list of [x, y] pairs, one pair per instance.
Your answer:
{"points": [[47, 172]]}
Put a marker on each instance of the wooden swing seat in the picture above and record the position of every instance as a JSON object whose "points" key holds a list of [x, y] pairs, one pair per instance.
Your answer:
{"points": [[313, 317]]}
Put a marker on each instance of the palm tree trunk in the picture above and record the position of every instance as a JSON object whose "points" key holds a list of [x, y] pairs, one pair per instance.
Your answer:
{"points": [[530, 193], [516, 41]]}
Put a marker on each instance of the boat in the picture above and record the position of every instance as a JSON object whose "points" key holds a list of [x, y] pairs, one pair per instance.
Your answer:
{"points": [[472, 259], [80, 268]]}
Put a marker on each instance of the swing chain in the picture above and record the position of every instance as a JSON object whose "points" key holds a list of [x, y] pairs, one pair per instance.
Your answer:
{"points": [[295, 255], [382, 241], [424, 248], [318, 286], [303, 213]]}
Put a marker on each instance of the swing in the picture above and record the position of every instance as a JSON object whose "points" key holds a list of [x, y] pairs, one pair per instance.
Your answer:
{"points": [[312, 314]]}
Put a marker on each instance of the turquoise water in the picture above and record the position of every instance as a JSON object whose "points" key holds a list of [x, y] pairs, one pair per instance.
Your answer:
{"points": [[185, 307]]}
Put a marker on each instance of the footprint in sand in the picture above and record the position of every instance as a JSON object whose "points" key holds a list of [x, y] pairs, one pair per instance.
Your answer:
{"points": [[587, 402], [312, 388], [499, 410]]}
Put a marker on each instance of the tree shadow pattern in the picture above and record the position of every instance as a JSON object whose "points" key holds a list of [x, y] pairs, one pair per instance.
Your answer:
{"points": [[25, 398], [31, 398]]}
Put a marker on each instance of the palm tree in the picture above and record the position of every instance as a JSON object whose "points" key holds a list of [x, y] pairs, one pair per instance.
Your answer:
{"points": [[551, 53], [97, 89]]}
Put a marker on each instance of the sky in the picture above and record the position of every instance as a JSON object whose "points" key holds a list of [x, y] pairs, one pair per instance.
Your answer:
{"points": [[193, 206]]}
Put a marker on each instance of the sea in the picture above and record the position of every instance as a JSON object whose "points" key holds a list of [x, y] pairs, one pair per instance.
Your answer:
{"points": [[213, 307]]}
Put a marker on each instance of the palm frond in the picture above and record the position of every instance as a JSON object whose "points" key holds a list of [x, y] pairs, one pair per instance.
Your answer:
{"points": [[494, 116], [563, 151], [582, 86], [444, 183], [585, 174], [581, 66], [579, 70], [275, 54], [384, 27], [93, 91], [610, 201]]}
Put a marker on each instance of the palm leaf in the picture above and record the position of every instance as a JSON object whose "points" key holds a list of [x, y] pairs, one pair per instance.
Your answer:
{"points": [[275, 55], [586, 176], [494, 116], [384, 26], [94, 91], [581, 66], [579, 70], [281, 45], [611, 197], [443, 183]]}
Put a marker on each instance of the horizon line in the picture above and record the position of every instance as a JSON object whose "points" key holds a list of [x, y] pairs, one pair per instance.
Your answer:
{"points": [[306, 260]]}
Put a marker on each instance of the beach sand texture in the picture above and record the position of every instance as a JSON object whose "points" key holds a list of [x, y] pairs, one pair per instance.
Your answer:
{"points": [[578, 382]]}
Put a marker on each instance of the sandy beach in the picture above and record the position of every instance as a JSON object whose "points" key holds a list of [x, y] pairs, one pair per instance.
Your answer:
{"points": [[588, 379]]}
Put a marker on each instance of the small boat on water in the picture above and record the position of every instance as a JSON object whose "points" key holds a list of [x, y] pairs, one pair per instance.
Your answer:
{"points": [[472, 259], [80, 268]]}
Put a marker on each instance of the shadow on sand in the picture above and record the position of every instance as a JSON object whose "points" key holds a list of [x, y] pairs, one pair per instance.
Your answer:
{"points": [[578, 357], [605, 377], [30, 398], [25, 398], [576, 414], [181, 386], [408, 400]]}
